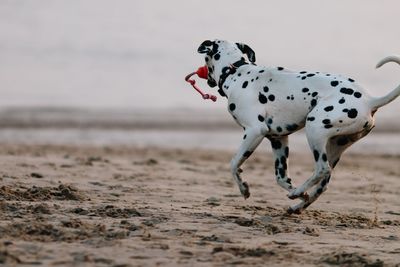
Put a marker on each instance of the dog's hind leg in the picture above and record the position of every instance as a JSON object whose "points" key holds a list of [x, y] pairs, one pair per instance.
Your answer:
{"points": [[252, 138], [317, 139], [311, 198], [334, 149], [280, 150], [322, 175]]}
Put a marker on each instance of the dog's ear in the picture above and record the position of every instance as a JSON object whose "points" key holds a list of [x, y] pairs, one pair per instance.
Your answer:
{"points": [[251, 55], [205, 47]]}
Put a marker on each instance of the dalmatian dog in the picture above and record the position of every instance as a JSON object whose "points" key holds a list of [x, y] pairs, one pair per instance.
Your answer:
{"points": [[274, 102]]}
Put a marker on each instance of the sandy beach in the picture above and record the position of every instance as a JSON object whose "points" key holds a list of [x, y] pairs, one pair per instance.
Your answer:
{"points": [[109, 158], [66, 205]]}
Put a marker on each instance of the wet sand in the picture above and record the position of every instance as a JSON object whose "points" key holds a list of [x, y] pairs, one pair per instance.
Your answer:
{"points": [[129, 206]]}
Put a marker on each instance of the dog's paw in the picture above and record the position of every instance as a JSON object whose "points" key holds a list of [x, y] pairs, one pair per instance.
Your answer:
{"points": [[304, 197], [245, 190], [293, 195], [291, 210]]}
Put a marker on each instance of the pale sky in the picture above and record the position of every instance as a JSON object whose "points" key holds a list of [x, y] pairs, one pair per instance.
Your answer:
{"points": [[135, 54]]}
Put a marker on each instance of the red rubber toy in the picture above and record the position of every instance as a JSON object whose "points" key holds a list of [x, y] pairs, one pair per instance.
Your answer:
{"points": [[202, 72]]}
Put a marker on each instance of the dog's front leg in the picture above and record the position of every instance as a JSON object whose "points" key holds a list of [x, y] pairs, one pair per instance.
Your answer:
{"points": [[252, 138]]}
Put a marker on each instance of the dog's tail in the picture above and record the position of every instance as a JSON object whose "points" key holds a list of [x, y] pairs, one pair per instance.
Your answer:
{"points": [[378, 102]]}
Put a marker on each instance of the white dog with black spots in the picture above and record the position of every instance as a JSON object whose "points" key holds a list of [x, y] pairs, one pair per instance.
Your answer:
{"points": [[273, 102]]}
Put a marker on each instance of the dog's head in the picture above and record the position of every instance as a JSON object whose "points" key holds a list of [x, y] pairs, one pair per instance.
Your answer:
{"points": [[220, 54]]}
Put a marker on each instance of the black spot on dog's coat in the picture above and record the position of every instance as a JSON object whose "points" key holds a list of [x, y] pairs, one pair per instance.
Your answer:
{"points": [[352, 113], [347, 91], [313, 103], [310, 118], [357, 94], [277, 163], [292, 127], [261, 118], [262, 98], [244, 85], [342, 100], [271, 98], [232, 107], [328, 108], [247, 154], [266, 89], [276, 144], [305, 90], [326, 121], [316, 155], [286, 151], [334, 83]]}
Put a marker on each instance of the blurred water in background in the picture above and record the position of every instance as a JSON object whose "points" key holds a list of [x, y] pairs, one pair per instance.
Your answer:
{"points": [[98, 62], [173, 129]]}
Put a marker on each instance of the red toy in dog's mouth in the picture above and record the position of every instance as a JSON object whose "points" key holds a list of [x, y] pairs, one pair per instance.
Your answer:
{"points": [[202, 72]]}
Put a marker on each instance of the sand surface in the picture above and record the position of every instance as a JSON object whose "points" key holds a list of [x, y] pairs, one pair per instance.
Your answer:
{"points": [[127, 206]]}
